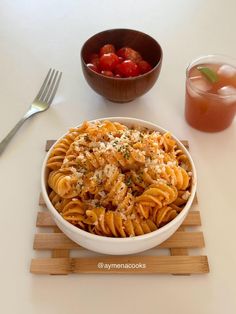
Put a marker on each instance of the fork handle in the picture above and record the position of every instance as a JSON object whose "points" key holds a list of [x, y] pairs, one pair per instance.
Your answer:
{"points": [[10, 135]]}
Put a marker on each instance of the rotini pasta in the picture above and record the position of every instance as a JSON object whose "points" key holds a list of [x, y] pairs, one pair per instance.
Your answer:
{"points": [[115, 181], [115, 224], [57, 156]]}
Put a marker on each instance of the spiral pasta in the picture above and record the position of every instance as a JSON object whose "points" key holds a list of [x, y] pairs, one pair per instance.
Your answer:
{"points": [[114, 224], [63, 182], [115, 181], [59, 151]]}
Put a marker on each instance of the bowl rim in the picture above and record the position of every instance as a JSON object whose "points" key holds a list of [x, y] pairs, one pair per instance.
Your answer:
{"points": [[104, 239], [122, 78]]}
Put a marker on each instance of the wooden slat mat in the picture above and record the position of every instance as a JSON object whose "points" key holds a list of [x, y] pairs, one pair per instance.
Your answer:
{"points": [[179, 262]]}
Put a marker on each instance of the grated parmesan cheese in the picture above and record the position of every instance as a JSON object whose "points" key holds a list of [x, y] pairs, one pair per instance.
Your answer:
{"points": [[186, 195], [102, 194], [109, 170]]}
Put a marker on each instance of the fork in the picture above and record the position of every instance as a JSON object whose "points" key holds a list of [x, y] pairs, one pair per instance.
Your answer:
{"points": [[41, 103]]}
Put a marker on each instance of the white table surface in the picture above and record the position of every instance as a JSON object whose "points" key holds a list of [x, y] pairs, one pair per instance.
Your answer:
{"points": [[36, 35]]}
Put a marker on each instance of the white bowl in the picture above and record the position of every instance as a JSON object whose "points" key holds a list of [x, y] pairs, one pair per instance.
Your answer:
{"points": [[120, 246]]}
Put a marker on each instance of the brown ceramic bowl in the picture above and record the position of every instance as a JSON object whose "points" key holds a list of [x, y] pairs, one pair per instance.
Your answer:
{"points": [[122, 89]]}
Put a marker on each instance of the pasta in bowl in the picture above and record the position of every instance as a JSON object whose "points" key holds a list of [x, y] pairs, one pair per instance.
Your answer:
{"points": [[118, 185]]}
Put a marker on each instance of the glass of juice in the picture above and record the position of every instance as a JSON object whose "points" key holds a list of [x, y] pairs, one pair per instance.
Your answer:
{"points": [[210, 103]]}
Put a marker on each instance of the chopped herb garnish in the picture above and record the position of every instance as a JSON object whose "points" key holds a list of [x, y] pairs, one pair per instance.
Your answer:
{"points": [[128, 181], [140, 178], [126, 154], [114, 143]]}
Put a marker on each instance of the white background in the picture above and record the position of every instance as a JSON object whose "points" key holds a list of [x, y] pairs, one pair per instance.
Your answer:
{"points": [[36, 35]]}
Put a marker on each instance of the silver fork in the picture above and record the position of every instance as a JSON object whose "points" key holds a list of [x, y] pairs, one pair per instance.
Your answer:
{"points": [[41, 103]]}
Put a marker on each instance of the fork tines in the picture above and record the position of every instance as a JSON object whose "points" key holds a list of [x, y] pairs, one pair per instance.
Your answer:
{"points": [[49, 87]]}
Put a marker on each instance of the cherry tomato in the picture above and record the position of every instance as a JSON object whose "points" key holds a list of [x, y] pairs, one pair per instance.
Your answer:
{"points": [[108, 61], [121, 59], [92, 67], [107, 73], [144, 66], [94, 59], [127, 68], [129, 54], [118, 70], [107, 49]]}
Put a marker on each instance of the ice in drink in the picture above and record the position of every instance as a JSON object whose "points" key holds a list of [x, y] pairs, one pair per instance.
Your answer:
{"points": [[210, 103]]}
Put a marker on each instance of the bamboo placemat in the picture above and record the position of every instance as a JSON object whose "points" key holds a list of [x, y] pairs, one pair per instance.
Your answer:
{"points": [[179, 262]]}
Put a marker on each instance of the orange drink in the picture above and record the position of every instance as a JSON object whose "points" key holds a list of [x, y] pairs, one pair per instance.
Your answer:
{"points": [[210, 103]]}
